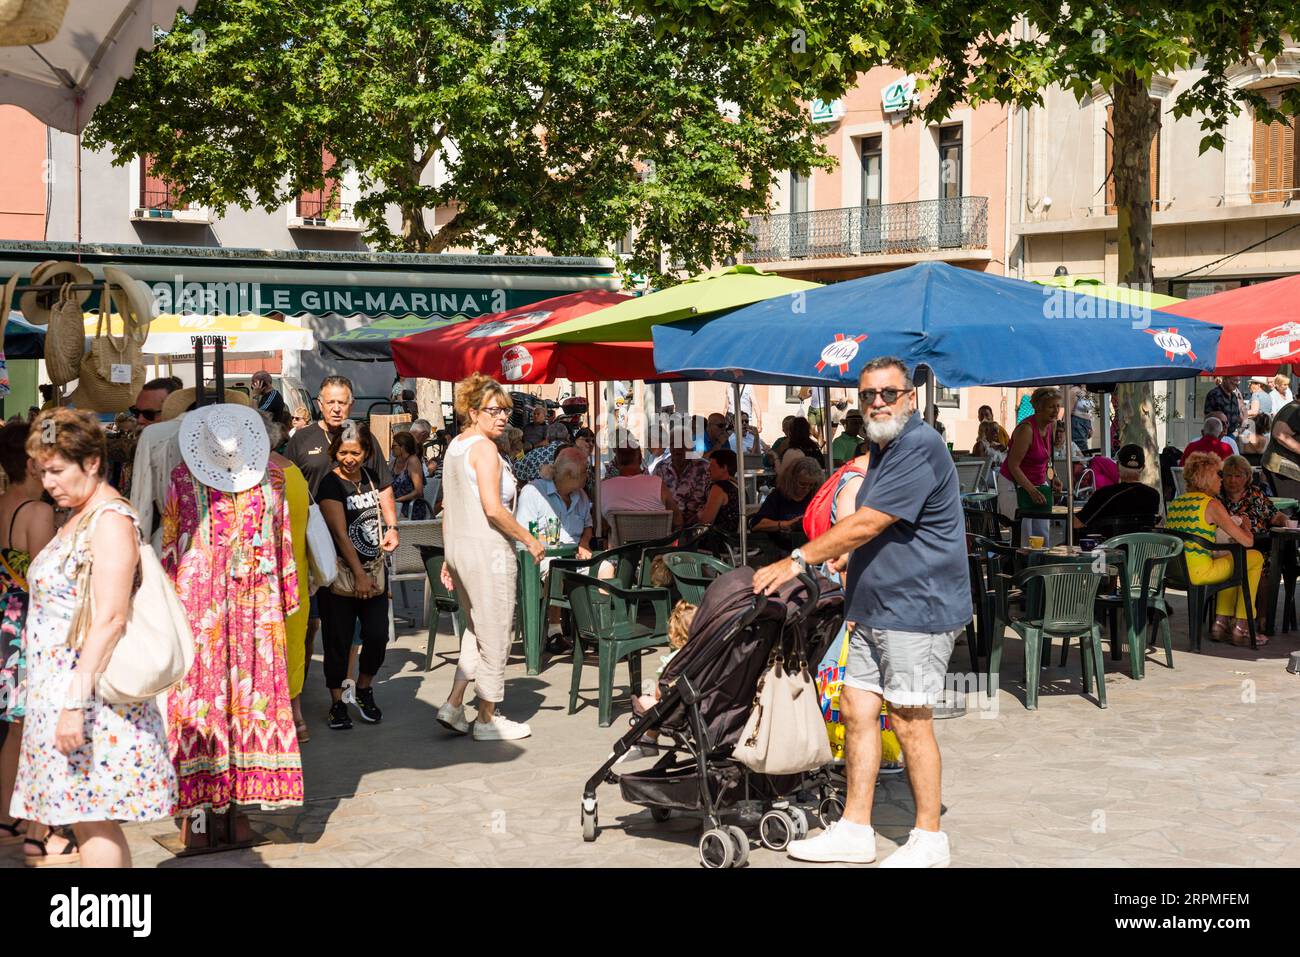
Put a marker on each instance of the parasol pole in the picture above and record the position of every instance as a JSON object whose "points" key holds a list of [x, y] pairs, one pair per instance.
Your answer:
{"points": [[740, 486], [1106, 450], [1069, 467], [595, 485], [828, 431]]}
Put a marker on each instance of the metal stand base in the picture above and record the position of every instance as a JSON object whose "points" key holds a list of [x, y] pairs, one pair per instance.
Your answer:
{"points": [[220, 838]]}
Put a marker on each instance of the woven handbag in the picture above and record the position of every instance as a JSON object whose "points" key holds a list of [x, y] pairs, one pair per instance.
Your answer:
{"points": [[110, 359], [30, 22], [65, 339]]}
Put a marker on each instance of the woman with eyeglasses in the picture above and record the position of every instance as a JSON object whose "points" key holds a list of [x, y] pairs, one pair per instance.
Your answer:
{"points": [[480, 530], [782, 512], [1200, 512]]}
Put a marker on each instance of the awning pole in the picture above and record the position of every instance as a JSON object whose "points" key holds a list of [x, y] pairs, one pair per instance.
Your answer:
{"points": [[740, 486], [1105, 426], [595, 487]]}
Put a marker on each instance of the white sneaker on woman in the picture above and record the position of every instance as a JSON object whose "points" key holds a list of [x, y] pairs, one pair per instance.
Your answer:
{"points": [[453, 718], [500, 728], [923, 849], [847, 845]]}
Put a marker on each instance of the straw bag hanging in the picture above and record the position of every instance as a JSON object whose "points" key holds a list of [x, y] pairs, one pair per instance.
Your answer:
{"points": [[30, 22], [65, 340], [112, 374]]}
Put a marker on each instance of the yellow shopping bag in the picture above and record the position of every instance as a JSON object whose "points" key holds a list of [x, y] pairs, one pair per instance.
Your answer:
{"points": [[830, 681]]}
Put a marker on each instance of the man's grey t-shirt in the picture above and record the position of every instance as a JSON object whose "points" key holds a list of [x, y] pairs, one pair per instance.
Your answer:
{"points": [[309, 449], [913, 576]]}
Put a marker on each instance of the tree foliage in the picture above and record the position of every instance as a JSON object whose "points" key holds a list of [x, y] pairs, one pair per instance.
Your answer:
{"points": [[553, 124]]}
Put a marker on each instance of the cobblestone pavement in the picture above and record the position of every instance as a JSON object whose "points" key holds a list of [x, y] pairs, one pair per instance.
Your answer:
{"points": [[1198, 766]]}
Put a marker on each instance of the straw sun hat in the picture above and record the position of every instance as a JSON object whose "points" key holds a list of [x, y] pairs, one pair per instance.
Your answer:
{"points": [[36, 306], [225, 446]]}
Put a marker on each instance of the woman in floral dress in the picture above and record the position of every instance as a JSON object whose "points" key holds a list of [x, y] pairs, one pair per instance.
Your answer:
{"points": [[85, 762], [230, 723]]}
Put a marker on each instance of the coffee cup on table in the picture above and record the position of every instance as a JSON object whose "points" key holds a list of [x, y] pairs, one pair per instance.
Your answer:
{"points": [[1036, 541]]}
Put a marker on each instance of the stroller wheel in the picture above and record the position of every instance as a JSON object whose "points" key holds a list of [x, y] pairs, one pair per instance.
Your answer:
{"points": [[589, 822], [717, 849], [742, 845], [799, 822], [775, 830], [660, 814], [830, 810]]}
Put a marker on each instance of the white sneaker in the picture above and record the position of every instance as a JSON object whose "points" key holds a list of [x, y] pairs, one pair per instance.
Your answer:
{"points": [[836, 844], [453, 718], [638, 751], [500, 728], [923, 849], [349, 691]]}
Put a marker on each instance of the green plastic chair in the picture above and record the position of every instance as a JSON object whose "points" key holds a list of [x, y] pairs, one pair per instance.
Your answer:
{"points": [[443, 600], [1069, 597], [694, 572], [1142, 558], [1199, 597], [605, 615]]}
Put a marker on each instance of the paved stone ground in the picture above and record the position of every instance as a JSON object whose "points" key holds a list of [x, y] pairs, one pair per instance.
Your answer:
{"points": [[1198, 766]]}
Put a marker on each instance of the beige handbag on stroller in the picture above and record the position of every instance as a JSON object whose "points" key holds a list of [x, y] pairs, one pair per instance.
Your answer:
{"points": [[785, 733]]}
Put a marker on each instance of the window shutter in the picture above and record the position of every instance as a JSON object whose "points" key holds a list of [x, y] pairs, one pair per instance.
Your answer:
{"points": [[1273, 152], [156, 192], [315, 203]]}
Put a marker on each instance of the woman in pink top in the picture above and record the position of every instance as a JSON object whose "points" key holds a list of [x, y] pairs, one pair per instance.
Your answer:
{"points": [[1028, 458]]}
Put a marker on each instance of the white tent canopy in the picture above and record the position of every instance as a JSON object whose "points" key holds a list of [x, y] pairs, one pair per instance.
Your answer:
{"points": [[63, 81]]}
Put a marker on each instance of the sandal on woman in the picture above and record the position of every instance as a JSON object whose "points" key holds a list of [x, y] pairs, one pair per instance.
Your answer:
{"points": [[71, 854], [304, 733], [1241, 636], [13, 833], [1221, 630]]}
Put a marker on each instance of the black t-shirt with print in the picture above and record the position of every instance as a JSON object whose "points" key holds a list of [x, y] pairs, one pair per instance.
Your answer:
{"points": [[309, 449], [360, 503]]}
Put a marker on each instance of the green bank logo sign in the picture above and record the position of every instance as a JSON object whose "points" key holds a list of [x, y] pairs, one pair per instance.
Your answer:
{"points": [[235, 298]]}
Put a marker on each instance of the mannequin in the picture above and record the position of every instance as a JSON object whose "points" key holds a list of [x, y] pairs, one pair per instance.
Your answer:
{"points": [[226, 543]]}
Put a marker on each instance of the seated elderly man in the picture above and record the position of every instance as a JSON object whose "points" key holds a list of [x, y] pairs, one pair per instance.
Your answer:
{"points": [[631, 490], [1210, 440], [557, 437], [1129, 497], [561, 505]]}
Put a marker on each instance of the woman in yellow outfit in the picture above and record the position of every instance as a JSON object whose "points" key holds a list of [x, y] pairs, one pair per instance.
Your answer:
{"points": [[295, 626], [1200, 512]]}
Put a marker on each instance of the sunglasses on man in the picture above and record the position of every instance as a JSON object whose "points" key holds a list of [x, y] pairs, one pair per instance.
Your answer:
{"points": [[868, 396], [150, 415]]}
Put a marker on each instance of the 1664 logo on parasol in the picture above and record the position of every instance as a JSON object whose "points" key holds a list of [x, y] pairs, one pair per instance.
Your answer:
{"points": [[516, 363], [1279, 343], [840, 352], [1173, 342]]}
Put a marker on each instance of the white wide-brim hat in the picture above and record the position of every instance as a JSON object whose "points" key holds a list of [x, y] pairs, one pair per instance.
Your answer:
{"points": [[225, 446]]}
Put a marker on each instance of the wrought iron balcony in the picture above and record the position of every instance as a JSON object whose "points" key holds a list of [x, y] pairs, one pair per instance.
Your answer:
{"points": [[891, 229]]}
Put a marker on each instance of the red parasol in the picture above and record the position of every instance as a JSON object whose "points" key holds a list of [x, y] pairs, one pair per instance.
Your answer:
{"points": [[453, 352], [1261, 325]]}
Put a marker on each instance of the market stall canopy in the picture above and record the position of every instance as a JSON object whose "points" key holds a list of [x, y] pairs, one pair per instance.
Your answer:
{"points": [[710, 292], [477, 345], [62, 82], [174, 335], [970, 328], [373, 342], [22, 339], [1261, 325]]}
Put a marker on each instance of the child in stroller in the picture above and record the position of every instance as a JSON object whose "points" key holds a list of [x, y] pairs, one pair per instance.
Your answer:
{"points": [[706, 693]]}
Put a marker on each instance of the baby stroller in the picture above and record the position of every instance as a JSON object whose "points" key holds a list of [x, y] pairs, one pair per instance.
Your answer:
{"points": [[706, 693]]}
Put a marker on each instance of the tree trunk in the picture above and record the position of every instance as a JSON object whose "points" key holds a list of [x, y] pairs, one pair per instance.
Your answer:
{"points": [[1136, 119], [428, 401], [416, 237]]}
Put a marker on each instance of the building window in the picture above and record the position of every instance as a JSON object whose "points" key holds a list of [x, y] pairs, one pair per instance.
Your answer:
{"points": [[1273, 149], [946, 398], [871, 169], [798, 192], [792, 394], [156, 192], [950, 160], [321, 203], [1110, 163]]}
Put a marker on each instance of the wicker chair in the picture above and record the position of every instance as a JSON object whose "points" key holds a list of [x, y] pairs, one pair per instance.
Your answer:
{"points": [[408, 561], [638, 526]]}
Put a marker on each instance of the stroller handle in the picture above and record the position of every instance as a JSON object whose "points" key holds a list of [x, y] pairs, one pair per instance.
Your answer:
{"points": [[814, 594]]}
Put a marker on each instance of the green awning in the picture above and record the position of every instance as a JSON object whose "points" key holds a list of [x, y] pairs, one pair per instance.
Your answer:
{"points": [[373, 342]]}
